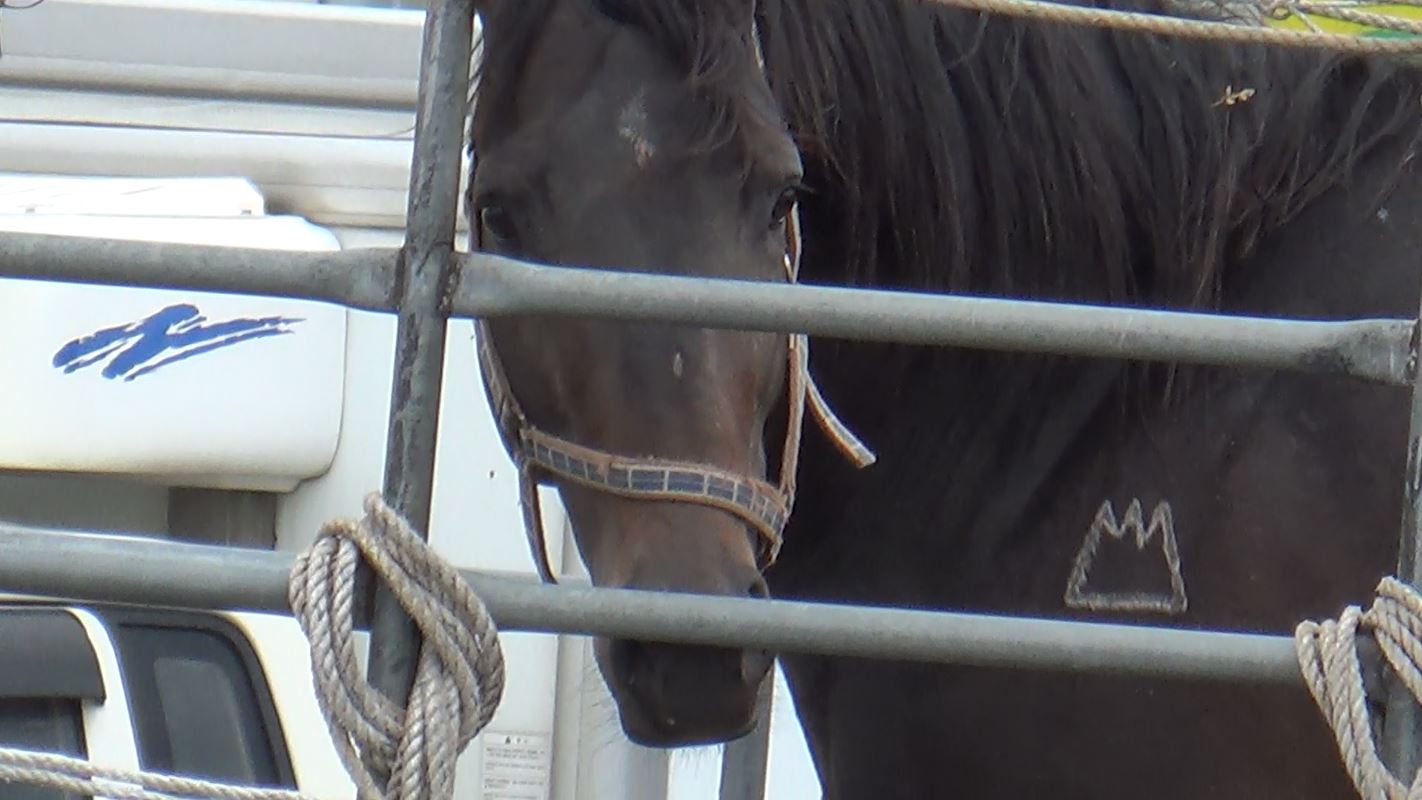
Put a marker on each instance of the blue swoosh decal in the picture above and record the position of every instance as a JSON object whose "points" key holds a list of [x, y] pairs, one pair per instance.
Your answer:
{"points": [[169, 335]]}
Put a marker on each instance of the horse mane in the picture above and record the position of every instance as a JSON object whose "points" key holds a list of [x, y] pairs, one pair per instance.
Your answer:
{"points": [[972, 152], [987, 154]]}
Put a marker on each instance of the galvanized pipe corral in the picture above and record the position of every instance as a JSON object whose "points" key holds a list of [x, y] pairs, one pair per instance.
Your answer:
{"points": [[418, 282]]}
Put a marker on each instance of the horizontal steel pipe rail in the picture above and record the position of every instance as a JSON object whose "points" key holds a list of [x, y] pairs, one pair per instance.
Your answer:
{"points": [[1378, 349], [174, 574], [359, 278], [491, 286]]}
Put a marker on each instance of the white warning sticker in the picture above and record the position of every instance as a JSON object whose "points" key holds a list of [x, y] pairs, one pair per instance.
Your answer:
{"points": [[516, 766]]}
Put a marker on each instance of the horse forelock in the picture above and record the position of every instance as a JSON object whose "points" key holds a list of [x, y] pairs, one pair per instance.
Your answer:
{"points": [[707, 41]]}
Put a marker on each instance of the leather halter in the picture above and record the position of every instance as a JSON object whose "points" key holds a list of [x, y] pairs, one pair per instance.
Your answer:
{"points": [[765, 508]]}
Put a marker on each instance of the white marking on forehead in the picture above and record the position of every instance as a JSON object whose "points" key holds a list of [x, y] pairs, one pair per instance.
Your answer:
{"points": [[632, 126]]}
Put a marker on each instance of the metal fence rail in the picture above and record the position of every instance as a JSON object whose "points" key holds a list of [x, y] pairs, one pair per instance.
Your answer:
{"points": [[417, 280], [183, 575], [423, 275], [492, 286]]}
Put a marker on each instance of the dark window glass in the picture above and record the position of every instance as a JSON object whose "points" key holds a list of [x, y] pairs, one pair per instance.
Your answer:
{"points": [[49, 725], [196, 707]]}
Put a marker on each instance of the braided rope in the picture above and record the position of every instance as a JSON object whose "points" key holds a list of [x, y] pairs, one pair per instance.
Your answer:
{"points": [[80, 777], [459, 679], [1328, 658], [1141, 22], [1342, 11]]}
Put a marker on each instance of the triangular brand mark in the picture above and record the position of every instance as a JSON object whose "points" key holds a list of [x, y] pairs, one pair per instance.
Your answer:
{"points": [[1160, 531]]}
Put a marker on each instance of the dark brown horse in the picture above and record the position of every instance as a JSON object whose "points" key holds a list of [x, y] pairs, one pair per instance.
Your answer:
{"points": [[942, 150]]}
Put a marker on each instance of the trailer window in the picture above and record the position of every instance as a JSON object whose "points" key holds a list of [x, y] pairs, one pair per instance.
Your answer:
{"points": [[201, 706], [49, 725]]}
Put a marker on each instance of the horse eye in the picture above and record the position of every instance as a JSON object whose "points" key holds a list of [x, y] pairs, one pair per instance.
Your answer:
{"points": [[498, 222], [783, 206]]}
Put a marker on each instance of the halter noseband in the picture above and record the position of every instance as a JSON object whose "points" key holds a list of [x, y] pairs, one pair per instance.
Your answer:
{"points": [[764, 507]]}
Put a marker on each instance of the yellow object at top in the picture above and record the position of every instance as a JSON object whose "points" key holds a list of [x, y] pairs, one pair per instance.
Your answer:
{"points": [[1291, 20]]}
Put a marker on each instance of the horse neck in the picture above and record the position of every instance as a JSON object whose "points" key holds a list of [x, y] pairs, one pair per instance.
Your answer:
{"points": [[1044, 163]]}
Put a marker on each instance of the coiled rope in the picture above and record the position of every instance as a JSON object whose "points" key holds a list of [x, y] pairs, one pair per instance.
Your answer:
{"points": [[1250, 26], [1328, 657], [459, 678]]}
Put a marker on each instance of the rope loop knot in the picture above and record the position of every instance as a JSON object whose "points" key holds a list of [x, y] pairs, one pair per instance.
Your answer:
{"points": [[1328, 656], [459, 678]]}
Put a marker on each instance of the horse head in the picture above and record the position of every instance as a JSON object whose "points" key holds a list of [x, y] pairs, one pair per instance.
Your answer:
{"points": [[603, 141]]}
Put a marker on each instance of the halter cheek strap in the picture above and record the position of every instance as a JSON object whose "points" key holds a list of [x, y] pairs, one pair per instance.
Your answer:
{"points": [[536, 453]]}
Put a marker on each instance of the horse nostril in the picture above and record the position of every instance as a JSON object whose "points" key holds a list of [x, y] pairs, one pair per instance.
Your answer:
{"points": [[758, 590], [627, 659]]}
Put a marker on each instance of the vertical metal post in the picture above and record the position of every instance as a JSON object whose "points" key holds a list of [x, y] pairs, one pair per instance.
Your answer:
{"points": [[1402, 723], [744, 764], [423, 280]]}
